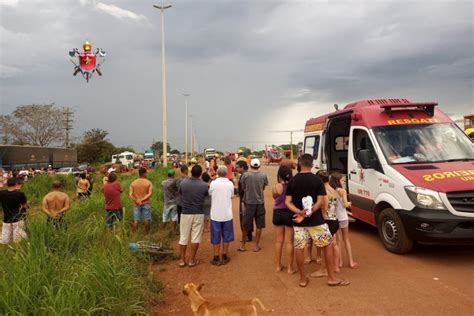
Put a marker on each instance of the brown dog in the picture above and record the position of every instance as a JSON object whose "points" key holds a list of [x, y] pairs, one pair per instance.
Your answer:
{"points": [[202, 307]]}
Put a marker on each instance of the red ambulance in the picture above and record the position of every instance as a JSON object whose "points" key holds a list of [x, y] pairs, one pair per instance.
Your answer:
{"points": [[409, 167]]}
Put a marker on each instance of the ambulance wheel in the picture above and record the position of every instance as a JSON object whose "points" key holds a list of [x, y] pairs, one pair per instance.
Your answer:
{"points": [[392, 233]]}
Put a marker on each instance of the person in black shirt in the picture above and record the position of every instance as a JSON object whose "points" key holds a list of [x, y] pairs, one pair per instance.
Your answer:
{"points": [[12, 202], [304, 189]]}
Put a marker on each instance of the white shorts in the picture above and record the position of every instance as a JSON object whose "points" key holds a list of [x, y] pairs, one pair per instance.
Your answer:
{"points": [[13, 232], [190, 228]]}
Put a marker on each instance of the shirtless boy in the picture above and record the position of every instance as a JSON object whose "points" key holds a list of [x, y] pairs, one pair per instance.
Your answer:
{"points": [[140, 192], [55, 204]]}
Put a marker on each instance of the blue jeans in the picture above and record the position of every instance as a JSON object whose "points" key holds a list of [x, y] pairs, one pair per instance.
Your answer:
{"points": [[111, 215], [142, 212]]}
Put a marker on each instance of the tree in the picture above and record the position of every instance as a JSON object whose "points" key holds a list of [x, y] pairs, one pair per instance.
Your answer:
{"points": [[246, 151], [287, 149], [119, 150], [174, 152], [258, 153], [95, 147], [35, 124], [158, 148], [4, 136]]}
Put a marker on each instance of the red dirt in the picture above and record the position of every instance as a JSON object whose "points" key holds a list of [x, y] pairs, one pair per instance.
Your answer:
{"points": [[430, 280]]}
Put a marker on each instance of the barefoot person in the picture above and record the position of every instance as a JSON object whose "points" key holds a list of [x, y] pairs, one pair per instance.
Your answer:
{"points": [[282, 220], [55, 204], [222, 227], [338, 182], [193, 191], [12, 201], [305, 195], [140, 192], [253, 184]]}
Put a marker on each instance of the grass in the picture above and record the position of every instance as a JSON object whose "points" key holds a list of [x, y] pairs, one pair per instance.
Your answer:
{"points": [[84, 269]]}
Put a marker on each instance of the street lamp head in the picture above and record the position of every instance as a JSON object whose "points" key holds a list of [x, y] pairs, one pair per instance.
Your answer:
{"points": [[162, 7]]}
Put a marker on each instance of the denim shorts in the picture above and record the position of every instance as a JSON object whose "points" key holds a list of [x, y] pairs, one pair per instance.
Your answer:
{"points": [[111, 215], [222, 231], [170, 214], [142, 212]]}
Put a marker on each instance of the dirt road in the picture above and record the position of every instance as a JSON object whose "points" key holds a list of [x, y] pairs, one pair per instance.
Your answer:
{"points": [[431, 280]]}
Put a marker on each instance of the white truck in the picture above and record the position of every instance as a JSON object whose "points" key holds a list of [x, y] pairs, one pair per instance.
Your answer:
{"points": [[209, 153], [126, 158]]}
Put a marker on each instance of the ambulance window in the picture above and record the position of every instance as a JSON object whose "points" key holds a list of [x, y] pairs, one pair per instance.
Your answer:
{"points": [[341, 143], [311, 146], [361, 141]]}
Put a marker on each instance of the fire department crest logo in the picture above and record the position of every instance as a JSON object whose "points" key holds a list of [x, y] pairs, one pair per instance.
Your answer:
{"points": [[87, 61]]}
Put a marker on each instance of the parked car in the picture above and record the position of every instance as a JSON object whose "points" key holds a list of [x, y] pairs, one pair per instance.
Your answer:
{"points": [[83, 167], [69, 170]]}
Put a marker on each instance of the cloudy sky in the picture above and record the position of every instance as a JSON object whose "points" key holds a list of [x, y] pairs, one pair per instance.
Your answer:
{"points": [[250, 66]]}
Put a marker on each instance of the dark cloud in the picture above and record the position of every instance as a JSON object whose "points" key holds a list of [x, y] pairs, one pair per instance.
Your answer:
{"points": [[247, 64]]}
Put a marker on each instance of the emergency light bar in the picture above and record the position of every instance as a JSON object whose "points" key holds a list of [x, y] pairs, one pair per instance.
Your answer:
{"points": [[427, 107]]}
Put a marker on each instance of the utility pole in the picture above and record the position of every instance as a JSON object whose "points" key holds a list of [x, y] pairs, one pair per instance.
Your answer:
{"points": [[68, 127], [196, 145], [192, 138], [186, 128], [291, 138]]}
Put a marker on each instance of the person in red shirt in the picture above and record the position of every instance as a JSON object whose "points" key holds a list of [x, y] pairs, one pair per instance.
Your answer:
{"points": [[113, 205], [230, 169]]}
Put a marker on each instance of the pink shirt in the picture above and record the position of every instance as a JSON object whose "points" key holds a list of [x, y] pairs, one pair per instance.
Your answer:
{"points": [[230, 172]]}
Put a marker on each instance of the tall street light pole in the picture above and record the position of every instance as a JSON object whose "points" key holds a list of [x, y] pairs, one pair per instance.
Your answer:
{"points": [[163, 82], [186, 129], [192, 144]]}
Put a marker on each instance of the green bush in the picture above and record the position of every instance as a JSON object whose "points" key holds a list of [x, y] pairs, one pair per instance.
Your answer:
{"points": [[83, 269]]}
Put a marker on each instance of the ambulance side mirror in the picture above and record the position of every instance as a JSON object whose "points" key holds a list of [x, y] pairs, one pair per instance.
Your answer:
{"points": [[365, 159]]}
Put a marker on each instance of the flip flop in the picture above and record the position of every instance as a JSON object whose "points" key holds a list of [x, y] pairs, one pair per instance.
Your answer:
{"points": [[340, 283], [304, 284], [193, 264], [257, 249], [241, 249], [182, 264]]}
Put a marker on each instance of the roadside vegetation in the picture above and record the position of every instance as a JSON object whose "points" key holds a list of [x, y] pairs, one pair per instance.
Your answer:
{"points": [[84, 269]]}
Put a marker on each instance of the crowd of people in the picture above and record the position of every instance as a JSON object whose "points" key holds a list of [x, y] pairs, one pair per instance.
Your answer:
{"points": [[309, 210]]}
